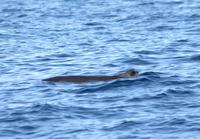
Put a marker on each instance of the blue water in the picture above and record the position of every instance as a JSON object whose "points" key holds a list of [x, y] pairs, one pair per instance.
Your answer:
{"points": [[41, 39]]}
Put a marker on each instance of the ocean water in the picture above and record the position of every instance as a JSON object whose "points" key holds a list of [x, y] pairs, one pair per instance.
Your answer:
{"points": [[46, 38]]}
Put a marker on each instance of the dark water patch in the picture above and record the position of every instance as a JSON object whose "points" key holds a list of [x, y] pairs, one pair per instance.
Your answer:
{"points": [[192, 18], [136, 136], [22, 15], [61, 55], [186, 58], [11, 10], [99, 88], [162, 28], [180, 42], [93, 24], [145, 3], [193, 31], [39, 112], [194, 44], [47, 112], [194, 129], [85, 44], [117, 40], [176, 103], [47, 118], [170, 81], [9, 133], [124, 125], [160, 3], [78, 131], [111, 65], [2, 20], [180, 93], [194, 105], [152, 75], [28, 128], [167, 95], [43, 59], [176, 2], [47, 58], [153, 17], [14, 118], [183, 40], [160, 96], [167, 128], [138, 61], [195, 58], [146, 97], [44, 108], [175, 122], [112, 99], [100, 28], [147, 52]]}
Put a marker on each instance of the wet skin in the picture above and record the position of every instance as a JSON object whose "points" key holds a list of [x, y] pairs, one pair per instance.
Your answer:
{"points": [[82, 79]]}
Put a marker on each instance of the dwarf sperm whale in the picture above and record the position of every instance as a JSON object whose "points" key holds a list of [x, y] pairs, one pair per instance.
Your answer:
{"points": [[82, 79]]}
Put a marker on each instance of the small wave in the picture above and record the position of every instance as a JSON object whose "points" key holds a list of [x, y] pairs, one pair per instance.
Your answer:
{"points": [[85, 44], [161, 3], [146, 3], [93, 24], [192, 17], [9, 133], [62, 55], [138, 61], [151, 75], [183, 40], [171, 2], [124, 125], [78, 131], [147, 52], [169, 81], [195, 58], [104, 87], [14, 118], [48, 112], [179, 92], [44, 108], [118, 40], [169, 93], [161, 28], [28, 128], [174, 122], [148, 97], [128, 18], [11, 10], [160, 96], [22, 15], [113, 85]]}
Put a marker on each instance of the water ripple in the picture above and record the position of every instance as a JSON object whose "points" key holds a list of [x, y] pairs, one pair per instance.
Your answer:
{"points": [[40, 39]]}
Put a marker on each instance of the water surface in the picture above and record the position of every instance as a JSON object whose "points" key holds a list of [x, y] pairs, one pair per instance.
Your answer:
{"points": [[41, 39]]}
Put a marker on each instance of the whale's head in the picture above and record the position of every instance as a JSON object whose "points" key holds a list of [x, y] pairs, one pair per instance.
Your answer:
{"points": [[129, 73]]}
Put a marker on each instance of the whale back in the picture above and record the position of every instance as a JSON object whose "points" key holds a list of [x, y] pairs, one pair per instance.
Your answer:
{"points": [[81, 79]]}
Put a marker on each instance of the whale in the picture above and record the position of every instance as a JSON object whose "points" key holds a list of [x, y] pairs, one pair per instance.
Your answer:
{"points": [[83, 79]]}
